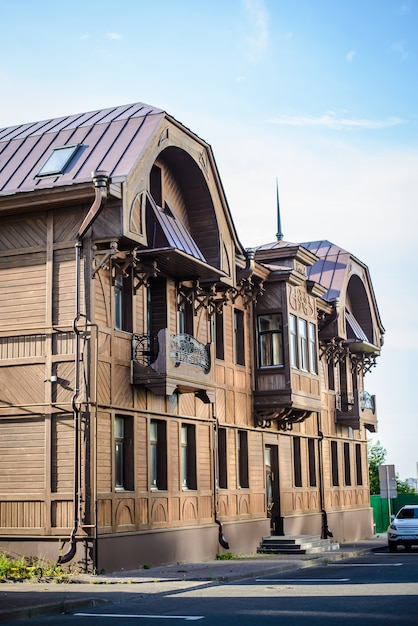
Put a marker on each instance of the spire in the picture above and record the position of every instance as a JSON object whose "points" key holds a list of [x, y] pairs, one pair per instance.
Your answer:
{"points": [[279, 234]]}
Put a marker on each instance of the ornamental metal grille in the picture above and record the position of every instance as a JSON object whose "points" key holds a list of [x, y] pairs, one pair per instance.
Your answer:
{"points": [[186, 349]]}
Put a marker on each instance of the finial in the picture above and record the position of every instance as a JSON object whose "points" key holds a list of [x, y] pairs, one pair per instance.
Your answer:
{"points": [[279, 234]]}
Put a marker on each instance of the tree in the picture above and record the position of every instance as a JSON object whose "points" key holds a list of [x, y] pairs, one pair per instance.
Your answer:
{"points": [[377, 456]]}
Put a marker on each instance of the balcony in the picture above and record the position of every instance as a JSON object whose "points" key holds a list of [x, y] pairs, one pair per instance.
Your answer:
{"points": [[167, 363], [356, 408]]}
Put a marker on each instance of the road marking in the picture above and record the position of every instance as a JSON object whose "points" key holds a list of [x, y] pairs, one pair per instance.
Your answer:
{"points": [[302, 580], [366, 564], [187, 618]]}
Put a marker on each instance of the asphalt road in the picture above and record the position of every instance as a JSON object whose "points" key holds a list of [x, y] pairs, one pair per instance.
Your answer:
{"points": [[375, 589]]}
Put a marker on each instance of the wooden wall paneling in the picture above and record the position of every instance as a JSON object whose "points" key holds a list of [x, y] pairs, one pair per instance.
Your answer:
{"points": [[103, 383], [141, 454], [101, 289], [256, 468], [23, 232], [122, 391], [64, 287], [66, 224], [62, 453], [104, 452], [22, 285], [204, 457], [173, 455], [22, 385], [186, 404], [22, 458]]}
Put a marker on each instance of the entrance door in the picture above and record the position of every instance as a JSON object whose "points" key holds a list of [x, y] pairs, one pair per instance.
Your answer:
{"points": [[271, 459]]}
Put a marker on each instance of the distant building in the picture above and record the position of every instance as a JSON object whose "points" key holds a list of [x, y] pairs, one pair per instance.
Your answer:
{"points": [[165, 393]]}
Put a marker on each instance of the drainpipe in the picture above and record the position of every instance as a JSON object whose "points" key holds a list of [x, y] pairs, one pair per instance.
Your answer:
{"points": [[325, 531], [100, 180], [223, 542]]}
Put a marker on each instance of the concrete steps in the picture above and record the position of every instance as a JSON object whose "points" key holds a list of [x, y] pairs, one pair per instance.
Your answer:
{"points": [[296, 544]]}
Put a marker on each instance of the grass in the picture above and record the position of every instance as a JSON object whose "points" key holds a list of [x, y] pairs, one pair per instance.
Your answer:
{"points": [[24, 568]]}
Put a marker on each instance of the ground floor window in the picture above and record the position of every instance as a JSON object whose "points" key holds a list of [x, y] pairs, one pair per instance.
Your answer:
{"points": [[158, 455], [334, 464], [188, 456], [124, 455], [243, 459], [359, 468], [297, 465], [222, 459]]}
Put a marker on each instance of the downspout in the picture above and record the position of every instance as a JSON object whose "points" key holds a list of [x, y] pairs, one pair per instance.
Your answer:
{"points": [[325, 531], [100, 180], [223, 542]]}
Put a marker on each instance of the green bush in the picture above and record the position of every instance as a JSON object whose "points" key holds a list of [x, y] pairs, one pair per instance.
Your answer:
{"points": [[23, 568]]}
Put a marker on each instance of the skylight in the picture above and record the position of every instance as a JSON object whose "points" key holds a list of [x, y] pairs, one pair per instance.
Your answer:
{"points": [[58, 160]]}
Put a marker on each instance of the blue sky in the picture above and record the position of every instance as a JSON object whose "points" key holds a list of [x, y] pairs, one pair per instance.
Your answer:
{"points": [[321, 94]]}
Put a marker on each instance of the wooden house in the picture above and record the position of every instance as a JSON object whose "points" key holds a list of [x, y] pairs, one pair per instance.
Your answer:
{"points": [[159, 401]]}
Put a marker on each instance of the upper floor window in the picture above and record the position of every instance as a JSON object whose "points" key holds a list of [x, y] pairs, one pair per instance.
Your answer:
{"points": [[123, 302], [219, 335], [347, 464], [270, 340], [334, 464], [359, 465], [303, 344], [239, 337], [185, 315]]}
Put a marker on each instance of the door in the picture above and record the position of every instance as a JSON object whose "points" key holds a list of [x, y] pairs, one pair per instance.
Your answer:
{"points": [[271, 459]]}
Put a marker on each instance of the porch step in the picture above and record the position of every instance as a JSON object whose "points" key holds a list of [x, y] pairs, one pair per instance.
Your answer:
{"points": [[296, 544]]}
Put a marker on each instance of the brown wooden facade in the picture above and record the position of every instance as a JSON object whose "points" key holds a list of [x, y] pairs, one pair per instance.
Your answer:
{"points": [[159, 401]]}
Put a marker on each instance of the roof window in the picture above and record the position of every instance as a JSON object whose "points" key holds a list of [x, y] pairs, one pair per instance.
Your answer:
{"points": [[58, 160]]}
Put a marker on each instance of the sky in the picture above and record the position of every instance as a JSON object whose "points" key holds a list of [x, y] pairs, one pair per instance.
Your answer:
{"points": [[321, 95]]}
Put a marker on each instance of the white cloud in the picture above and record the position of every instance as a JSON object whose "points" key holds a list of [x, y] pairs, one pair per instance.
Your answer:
{"points": [[113, 36], [257, 19], [399, 48], [333, 122], [350, 55]]}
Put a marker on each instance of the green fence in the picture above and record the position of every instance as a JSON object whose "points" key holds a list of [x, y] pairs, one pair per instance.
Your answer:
{"points": [[381, 509]]}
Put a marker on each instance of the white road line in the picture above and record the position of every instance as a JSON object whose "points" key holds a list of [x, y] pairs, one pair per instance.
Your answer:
{"points": [[301, 580], [365, 564], [187, 618]]}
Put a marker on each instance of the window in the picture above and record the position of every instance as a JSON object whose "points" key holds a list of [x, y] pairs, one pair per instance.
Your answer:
{"points": [[347, 464], [188, 456], [359, 468], [313, 358], [270, 340], [239, 337], [156, 185], [158, 455], [124, 458], [293, 341], [297, 466], [219, 335], [58, 160], [303, 344], [334, 464], [243, 459], [222, 459], [123, 302], [331, 375], [185, 315], [312, 462]]}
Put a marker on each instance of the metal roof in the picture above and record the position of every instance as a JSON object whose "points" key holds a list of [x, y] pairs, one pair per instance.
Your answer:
{"points": [[110, 139], [330, 270]]}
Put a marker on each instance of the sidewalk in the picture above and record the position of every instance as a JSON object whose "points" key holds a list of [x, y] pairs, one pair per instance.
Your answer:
{"points": [[20, 600]]}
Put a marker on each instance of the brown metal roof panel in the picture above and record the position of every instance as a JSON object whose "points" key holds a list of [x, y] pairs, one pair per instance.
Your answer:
{"points": [[130, 144], [20, 159]]}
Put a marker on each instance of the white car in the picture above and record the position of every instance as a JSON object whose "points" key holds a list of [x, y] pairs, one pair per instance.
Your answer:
{"points": [[403, 529]]}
